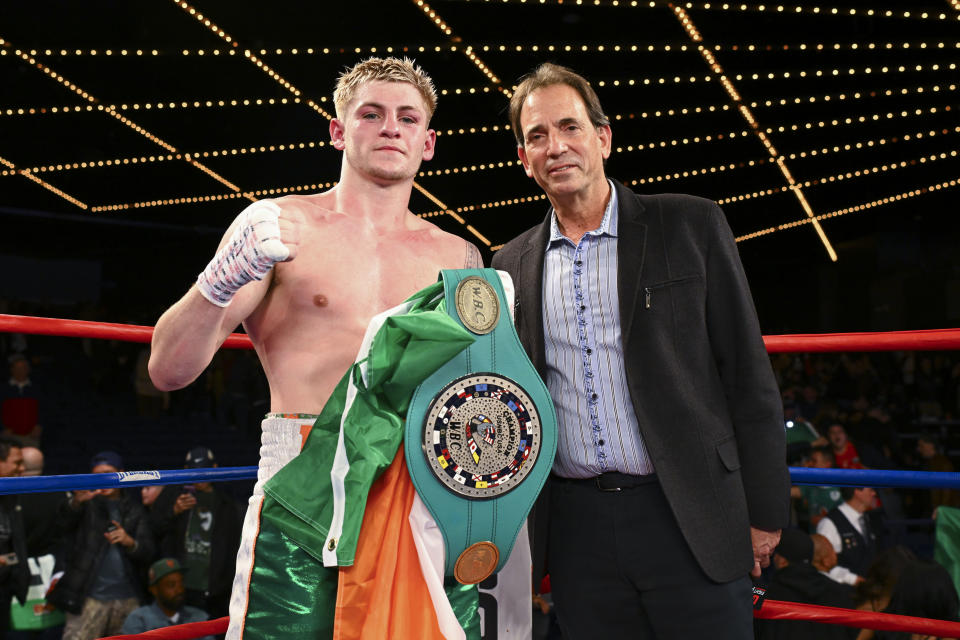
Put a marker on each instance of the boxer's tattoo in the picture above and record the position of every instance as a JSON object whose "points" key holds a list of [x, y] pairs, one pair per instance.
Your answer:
{"points": [[473, 260]]}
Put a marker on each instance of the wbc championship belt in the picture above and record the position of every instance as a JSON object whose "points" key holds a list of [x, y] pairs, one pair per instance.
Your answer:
{"points": [[481, 432]]}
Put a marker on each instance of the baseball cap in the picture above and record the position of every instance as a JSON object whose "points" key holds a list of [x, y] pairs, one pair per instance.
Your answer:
{"points": [[111, 458], [200, 458], [163, 567], [796, 546]]}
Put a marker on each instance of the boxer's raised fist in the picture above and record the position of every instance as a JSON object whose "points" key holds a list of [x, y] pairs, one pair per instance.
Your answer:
{"points": [[263, 235]]}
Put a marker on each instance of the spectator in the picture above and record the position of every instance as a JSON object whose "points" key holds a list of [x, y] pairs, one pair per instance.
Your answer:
{"points": [[14, 574], [40, 510], [923, 590], [38, 619], [796, 579], [200, 526], [165, 580], [801, 437], [844, 452], [850, 532], [824, 557], [149, 495], [809, 405], [20, 408], [873, 593], [32, 462], [110, 538], [815, 502], [932, 459]]}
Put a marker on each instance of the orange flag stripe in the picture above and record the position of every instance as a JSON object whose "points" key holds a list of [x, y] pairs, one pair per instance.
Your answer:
{"points": [[384, 595]]}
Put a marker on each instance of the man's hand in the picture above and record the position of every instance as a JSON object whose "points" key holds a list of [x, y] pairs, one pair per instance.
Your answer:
{"points": [[118, 535], [83, 495], [764, 542], [540, 603], [263, 234], [185, 502]]}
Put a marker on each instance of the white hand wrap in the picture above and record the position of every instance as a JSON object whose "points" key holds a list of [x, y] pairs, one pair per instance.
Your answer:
{"points": [[250, 253]]}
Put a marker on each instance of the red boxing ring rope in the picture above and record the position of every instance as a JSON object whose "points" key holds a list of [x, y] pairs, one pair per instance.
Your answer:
{"points": [[90, 329], [779, 610], [921, 340], [180, 631], [771, 610]]}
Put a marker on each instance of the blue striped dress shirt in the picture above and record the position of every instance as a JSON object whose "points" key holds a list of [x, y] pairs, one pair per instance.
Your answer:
{"points": [[584, 352]]}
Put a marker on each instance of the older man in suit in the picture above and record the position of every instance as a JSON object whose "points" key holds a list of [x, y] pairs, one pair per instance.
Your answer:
{"points": [[670, 483]]}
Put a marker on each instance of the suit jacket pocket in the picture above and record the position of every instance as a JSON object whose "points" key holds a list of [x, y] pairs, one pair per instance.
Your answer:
{"points": [[727, 450]]}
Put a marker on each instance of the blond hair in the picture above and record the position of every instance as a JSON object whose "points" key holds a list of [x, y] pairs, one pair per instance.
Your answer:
{"points": [[388, 69]]}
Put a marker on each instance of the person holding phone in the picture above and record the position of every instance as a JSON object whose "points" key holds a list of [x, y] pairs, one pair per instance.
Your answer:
{"points": [[112, 543], [200, 525]]}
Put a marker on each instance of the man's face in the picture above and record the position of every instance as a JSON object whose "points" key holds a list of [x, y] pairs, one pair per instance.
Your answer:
{"points": [[926, 449], [867, 497], [820, 461], [837, 436], [562, 149], [148, 495], [824, 557], [13, 465], [20, 370], [384, 133], [169, 591], [106, 468]]}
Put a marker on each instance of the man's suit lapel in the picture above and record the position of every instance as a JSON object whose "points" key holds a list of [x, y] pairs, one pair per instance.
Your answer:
{"points": [[631, 249], [530, 295]]}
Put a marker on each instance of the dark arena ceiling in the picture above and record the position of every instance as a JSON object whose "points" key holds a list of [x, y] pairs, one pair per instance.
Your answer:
{"points": [[133, 132]]}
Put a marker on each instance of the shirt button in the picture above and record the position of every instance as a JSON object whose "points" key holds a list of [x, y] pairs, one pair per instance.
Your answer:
{"points": [[601, 442], [589, 351], [583, 307], [579, 263], [593, 396]]}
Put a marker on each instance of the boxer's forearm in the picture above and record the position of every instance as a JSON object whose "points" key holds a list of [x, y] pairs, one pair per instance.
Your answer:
{"points": [[190, 332]]}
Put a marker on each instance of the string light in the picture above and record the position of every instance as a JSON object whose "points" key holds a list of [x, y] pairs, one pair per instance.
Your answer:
{"points": [[758, 8], [870, 143], [692, 173], [486, 205], [585, 47], [947, 184], [903, 91], [468, 52], [847, 175], [468, 169], [26, 173], [835, 72], [249, 55], [112, 112], [750, 76], [90, 164], [744, 110], [873, 117], [252, 195]]}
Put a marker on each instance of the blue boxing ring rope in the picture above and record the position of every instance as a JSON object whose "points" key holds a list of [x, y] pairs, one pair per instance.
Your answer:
{"points": [[799, 475]]}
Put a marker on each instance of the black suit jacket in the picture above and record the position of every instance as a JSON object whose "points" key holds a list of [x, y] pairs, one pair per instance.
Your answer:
{"points": [[700, 380]]}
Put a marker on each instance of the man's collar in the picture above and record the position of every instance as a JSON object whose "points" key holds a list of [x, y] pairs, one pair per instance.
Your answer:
{"points": [[608, 225]]}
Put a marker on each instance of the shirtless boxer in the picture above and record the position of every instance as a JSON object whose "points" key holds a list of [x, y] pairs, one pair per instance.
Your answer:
{"points": [[305, 274]]}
